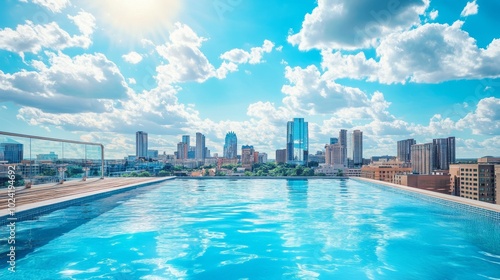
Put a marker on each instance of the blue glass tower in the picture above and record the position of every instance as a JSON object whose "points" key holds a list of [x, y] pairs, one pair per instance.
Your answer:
{"points": [[297, 141], [231, 145]]}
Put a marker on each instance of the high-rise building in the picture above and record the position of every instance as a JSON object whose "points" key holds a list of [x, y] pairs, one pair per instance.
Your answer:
{"points": [[335, 154], [191, 152], [186, 139], [357, 148], [404, 150], [10, 150], [281, 156], [262, 158], [343, 142], [475, 181], [247, 156], [444, 150], [200, 147], [231, 145], [182, 150], [334, 140], [141, 144], [297, 141], [423, 158]]}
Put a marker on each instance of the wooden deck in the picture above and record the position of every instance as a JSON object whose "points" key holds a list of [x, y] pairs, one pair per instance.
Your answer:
{"points": [[47, 192]]}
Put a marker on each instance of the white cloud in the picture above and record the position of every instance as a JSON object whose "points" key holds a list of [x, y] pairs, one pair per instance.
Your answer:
{"points": [[132, 57], [132, 81], [253, 57], [431, 53], [336, 24], [78, 84], [157, 110], [85, 22], [469, 9], [438, 126], [30, 37], [485, 119], [56, 6], [307, 92], [186, 62], [433, 14]]}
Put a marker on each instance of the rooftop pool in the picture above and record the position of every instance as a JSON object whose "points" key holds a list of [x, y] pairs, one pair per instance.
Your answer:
{"points": [[257, 229]]}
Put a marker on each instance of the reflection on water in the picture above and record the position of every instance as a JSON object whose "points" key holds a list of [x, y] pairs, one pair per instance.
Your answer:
{"points": [[297, 192]]}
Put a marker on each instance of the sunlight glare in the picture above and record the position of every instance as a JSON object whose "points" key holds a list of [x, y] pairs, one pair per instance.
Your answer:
{"points": [[138, 18]]}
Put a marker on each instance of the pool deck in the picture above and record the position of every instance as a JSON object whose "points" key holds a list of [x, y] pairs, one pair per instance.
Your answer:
{"points": [[457, 199], [47, 194]]}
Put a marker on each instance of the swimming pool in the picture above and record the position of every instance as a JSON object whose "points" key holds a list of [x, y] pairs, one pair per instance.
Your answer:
{"points": [[255, 229]]}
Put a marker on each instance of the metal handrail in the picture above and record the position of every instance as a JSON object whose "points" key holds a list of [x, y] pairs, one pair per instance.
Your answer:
{"points": [[60, 140]]}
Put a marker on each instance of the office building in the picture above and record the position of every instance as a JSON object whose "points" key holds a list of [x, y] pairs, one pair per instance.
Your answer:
{"points": [[357, 148], [475, 181], [10, 150], [247, 157], [281, 156], [186, 139], [343, 142], [231, 145], [200, 147], [436, 182], [297, 144], [141, 144], [334, 140], [50, 156], [384, 173], [262, 158], [182, 150], [335, 155], [423, 158], [444, 151], [191, 152], [404, 150], [152, 154]]}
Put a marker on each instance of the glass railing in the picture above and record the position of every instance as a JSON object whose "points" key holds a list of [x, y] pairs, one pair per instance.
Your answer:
{"points": [[38, 160]]}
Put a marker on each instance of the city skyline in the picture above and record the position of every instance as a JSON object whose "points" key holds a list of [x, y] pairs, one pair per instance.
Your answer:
{"points": [[422, 70]]}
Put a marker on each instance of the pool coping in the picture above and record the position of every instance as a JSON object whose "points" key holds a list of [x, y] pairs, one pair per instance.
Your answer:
{"points": [[32, 209], [456, 199]]}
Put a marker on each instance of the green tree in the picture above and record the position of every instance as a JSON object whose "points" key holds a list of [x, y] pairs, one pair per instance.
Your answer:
{"points": [[164, 173]]}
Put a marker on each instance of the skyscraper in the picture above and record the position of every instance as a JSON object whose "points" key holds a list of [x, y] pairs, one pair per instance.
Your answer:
{"points": [[357, 148], [444, 150], [404, 150], [335, 154], [182, 150], [200, 147], [10, 150], [297, 141], [343, 142], [423, 158], [334, 140], [186, 139], [141, 144], [231, 145]]}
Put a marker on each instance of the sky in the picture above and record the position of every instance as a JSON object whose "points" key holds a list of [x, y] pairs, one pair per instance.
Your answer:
{"points": [[99, 71]]}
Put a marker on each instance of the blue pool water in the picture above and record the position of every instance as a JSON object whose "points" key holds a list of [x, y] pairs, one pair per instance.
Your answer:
{"points": [[258, 229]]}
